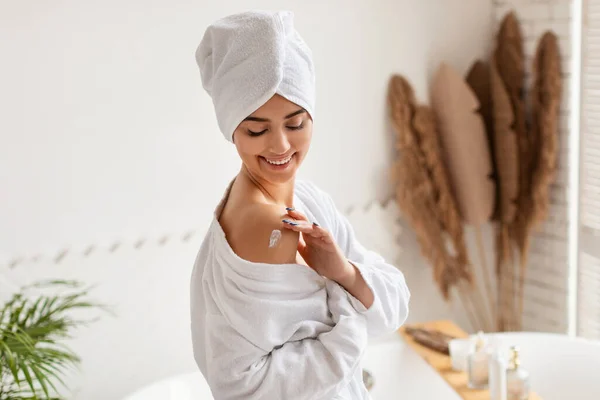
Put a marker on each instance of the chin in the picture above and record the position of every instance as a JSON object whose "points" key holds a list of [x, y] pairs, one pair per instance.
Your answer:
{"points": [[279, 173]]}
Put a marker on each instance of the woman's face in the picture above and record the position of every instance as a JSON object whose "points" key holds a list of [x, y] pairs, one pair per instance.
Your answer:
{"points": [[273, 141]]}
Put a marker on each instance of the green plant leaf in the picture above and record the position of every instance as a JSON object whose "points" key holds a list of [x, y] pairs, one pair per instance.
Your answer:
{"points": [[7, 355], [33, 356], [25, 371], [42, 379]]}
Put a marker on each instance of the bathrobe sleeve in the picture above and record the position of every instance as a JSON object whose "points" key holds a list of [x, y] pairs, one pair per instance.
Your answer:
{"points": [[311, 369], [391, 294]]}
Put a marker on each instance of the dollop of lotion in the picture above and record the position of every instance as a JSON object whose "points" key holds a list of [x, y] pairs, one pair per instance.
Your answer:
{"points": [[274, 239]]}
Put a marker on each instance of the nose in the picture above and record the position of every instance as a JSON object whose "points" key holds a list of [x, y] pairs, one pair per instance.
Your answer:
{"points": [[278, 142]]}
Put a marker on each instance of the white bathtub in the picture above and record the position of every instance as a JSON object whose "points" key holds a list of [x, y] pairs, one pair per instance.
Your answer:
{"points": [[395, 367], [561, 368], [191, 386]]}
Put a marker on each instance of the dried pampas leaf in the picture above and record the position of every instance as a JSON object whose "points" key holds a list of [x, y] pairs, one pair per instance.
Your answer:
{"points": [[415, 198], [478, 79], [416, 194], [401, 99], [465, 145], [507, 174], [545, 103], [467, 156], [427, 134], [510, 61], [505, 147], [546, 100]]}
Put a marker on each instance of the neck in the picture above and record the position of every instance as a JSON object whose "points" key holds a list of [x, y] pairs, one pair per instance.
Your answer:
{"points": [[275, 193]]}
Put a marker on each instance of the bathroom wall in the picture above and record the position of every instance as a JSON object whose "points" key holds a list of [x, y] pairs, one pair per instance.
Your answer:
{"points": [[112, 162]]}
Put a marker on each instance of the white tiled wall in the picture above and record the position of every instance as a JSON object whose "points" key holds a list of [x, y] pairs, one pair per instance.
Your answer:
{"points": [[546, 282]]}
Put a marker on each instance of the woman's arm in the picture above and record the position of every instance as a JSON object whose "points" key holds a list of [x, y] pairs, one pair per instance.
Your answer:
{"points": [[389, 307], [391, 294], [315, 368], [376, 288], [355, 284]]}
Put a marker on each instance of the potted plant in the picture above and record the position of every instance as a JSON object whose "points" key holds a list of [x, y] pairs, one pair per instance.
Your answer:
{"points": [[33, 328]]}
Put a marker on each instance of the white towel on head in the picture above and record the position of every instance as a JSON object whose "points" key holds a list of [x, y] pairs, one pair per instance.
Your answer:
{"points": [[246, 58]]}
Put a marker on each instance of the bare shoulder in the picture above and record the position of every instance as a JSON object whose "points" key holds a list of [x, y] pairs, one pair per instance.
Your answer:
{"points": [[251, 230]]}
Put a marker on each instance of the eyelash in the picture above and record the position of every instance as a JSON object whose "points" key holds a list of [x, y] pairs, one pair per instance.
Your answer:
{"points": [[292, 128]]}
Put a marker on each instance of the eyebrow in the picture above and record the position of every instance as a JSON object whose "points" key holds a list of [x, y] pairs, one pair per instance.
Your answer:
{"points": [[256, 119]]}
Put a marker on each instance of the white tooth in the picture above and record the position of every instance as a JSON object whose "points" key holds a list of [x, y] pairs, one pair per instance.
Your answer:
{"points": [[284, 161]]}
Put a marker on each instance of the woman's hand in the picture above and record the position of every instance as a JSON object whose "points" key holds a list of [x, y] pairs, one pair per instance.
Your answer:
{"points": [[320, 251], [318, 248]]}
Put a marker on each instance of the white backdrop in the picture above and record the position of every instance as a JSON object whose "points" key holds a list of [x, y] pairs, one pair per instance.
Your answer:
{"points": [[108, 138], [108, 134]]}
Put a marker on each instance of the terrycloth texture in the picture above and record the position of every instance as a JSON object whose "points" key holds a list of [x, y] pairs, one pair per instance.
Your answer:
{"points": [[246, 58], [267, 331]]}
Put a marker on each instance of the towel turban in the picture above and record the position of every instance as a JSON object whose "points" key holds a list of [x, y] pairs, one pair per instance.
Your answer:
{"points": [[246, 58]]}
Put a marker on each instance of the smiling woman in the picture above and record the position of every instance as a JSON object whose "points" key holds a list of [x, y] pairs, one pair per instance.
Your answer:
{"points": [[289, 321], [274, 139]]}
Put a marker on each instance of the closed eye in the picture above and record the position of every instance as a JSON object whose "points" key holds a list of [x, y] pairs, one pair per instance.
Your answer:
{"points": [[292, 128], [252, 133], [296, 128]]}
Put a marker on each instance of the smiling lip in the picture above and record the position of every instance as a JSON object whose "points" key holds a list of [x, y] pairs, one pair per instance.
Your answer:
{"points": [[280, 162]]}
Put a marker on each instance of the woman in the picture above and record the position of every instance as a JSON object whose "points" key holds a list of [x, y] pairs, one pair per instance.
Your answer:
{"points": [[283, 297]]}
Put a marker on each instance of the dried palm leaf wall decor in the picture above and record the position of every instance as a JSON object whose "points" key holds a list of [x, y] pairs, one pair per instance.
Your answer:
{"points": [[510, 63], [524, 154], [478, 154], [423, 193], [506, 155], [478, 80], [416, 193], [537, 146], [467, 158], [545, 100]]}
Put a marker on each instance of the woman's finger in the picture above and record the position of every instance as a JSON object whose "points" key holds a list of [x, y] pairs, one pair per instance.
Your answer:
{"points": [[322, 233], [306, 227], [301, 246], [297, 215], [298, 226], [302, 226]]}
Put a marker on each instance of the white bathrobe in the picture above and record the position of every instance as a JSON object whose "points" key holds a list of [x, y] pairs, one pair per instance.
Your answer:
{"points": [[281, 331]]}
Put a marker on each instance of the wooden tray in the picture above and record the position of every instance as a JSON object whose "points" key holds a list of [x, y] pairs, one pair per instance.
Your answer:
{"points": [[442, 364]]}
